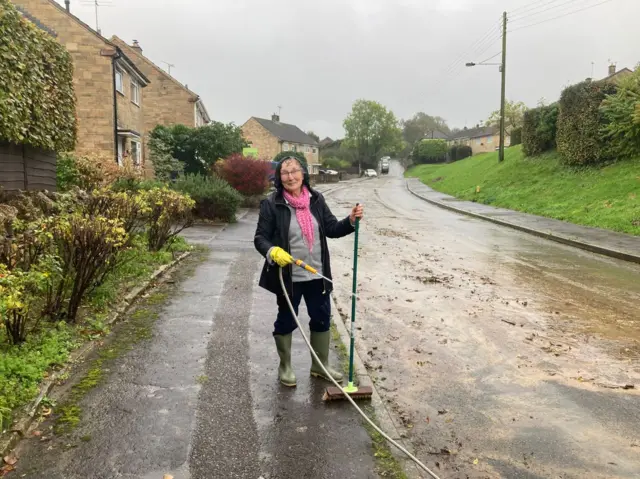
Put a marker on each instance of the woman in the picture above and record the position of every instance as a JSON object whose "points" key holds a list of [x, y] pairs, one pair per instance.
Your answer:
{"points": [[295, 222]]}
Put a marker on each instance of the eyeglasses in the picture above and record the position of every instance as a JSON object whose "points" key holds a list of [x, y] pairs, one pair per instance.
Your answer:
{"points": [[284, 174]]}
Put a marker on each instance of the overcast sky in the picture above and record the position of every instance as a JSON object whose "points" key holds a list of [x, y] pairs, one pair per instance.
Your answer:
{"points": [[316, 57]]}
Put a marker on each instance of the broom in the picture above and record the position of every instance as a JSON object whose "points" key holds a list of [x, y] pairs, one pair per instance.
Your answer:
{"points": [[333, 393]]}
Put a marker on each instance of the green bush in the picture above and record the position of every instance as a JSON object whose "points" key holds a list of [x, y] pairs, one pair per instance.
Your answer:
{"points": [[430, 151], [169, 212], [580, 122], [621, 111], [539, 130], [459, 152], [214, 197], [37, 102], [335, 163], [516, 136]]}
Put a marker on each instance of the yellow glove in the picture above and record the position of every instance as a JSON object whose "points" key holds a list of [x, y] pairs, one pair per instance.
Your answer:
{"points": [[281, 257]]}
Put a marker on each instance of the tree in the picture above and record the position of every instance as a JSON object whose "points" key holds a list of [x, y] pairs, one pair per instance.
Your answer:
{"points": [[370, 130], [513, 116], [422, 126], [621, 111], [314, 136], [199, 148]]}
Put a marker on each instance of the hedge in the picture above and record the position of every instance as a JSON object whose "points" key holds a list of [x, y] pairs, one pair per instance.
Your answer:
{"points": [[580, 121], [539, 129], [37, 101], [516, 136], [430, 151], [459, 152]]}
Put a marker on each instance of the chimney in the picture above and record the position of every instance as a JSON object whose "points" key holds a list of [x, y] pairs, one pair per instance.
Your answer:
{"points": [[275, 117], [612, 69], [67, 4], [136, 47]]}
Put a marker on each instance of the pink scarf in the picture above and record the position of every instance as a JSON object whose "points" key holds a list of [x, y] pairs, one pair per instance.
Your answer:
{"points": [[303, 213]]}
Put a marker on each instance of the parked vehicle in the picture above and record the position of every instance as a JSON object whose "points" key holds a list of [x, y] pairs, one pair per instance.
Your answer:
{"points": [[384, 165], [370, 173]]}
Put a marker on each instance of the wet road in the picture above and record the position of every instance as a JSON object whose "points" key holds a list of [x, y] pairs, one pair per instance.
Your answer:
{"points": [[500, 354], [198, 396]]}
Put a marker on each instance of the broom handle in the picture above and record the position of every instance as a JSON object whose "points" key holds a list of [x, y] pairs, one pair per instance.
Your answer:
{"points": [[353, 300]]}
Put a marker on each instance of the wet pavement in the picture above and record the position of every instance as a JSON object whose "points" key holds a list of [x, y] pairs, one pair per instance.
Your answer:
{"points": [[499, 353], [198, 396], [610, 243]]}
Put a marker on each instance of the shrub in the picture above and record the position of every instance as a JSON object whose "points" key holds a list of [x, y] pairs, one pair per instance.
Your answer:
{"points": [[91, 172], [169, 212], [459, 152], [248, 176], [213, 196], [334, 163], [20, 294], [37, 102], [128, 207], [539, 129], [430, 151], [165, 166], [516, 136], [580, 121], [621, 110]]}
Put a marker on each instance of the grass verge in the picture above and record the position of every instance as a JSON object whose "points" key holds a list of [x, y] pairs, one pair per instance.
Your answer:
{"points": [[24, 367], [607, 197]]}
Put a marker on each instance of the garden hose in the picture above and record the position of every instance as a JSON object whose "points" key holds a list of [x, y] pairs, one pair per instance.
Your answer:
{"points": [[315, 356]]}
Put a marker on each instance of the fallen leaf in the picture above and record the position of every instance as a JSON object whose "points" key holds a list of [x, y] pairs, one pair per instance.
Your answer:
{"points": [[10, 459], [46, 411], [475, 461], [428, 420], [37, 433]]}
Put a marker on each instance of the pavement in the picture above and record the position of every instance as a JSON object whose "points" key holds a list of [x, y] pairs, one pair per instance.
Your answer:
{"points": [[199, 397], [596, 240]]}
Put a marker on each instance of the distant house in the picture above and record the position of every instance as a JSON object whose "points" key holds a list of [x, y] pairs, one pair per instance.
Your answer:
{"points": [[167, 101], [326, 142], [271, 137], [436, 135], [108, 84], [614, 76], [481, 139]]}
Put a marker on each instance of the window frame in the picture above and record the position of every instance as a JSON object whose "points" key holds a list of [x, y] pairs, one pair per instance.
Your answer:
{"points": [[135, 92], [137, 159], [121, 75]]}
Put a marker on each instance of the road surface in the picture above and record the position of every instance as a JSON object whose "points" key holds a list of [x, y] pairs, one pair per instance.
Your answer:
{"points": [[501, 354]]}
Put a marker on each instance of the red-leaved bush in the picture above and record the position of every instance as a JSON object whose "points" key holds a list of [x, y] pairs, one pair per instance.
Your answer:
{"points": [[248, 175]]}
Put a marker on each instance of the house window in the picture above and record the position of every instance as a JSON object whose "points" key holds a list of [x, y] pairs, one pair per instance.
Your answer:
{"points": [[293, 148], [478, 142], [489, 139], [119, 82], [136, 152], [135, 92], [285, 147], [314, 150]]}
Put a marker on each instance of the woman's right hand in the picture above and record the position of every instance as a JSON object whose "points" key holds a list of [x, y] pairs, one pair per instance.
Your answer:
{"points": [[281, 257]]}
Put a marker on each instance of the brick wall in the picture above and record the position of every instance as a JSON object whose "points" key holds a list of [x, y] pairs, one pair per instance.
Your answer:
{"points": [[92, 76], [166, 102], [268, 145]]}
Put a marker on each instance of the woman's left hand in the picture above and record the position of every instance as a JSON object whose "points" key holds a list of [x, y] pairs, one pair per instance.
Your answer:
{"points": [[356, 212]]}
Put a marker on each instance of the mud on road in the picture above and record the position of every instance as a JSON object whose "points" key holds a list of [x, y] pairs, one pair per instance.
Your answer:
{"points": [[499, 354]]}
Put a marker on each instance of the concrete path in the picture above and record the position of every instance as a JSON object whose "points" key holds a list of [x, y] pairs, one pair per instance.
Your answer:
{"points": [[199, 398], [609, 243]]}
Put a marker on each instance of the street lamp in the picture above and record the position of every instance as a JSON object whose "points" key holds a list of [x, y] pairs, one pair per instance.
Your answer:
{"points": [[503, 69]]}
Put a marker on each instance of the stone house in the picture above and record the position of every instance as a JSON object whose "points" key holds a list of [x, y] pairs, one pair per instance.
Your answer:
{"points": [[167, 101], [482, 139], [271, 137], [107, 83], [614, 76]]}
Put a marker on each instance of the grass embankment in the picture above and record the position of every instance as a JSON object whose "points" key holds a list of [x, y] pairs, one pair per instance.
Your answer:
{"points": [[606, 197]]}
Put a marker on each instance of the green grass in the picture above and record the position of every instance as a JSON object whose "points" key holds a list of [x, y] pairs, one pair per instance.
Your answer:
{"points": [[606, 197]]}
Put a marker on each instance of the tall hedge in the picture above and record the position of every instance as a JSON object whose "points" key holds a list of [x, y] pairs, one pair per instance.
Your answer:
{"points": [[430, 151], [580, 121], [539, 129], [459, 152], [516, 136], [37, 101]]}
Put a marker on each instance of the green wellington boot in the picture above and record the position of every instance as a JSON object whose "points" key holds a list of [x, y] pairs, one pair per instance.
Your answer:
{"points": [[320, 343], [285, 371]]}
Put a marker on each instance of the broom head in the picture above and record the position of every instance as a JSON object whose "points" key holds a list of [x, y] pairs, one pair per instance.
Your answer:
{"points": [[335, 394]]}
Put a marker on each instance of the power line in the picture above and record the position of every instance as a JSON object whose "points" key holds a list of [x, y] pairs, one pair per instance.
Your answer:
{"points": [[553, 7], [532, 5], [492, 57], [560, 16]]}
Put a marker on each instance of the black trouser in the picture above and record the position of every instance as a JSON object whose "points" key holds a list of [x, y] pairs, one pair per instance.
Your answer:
{"points": [[318, 306]]}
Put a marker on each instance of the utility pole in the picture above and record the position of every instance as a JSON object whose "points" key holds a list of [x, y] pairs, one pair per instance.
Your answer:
{"points": [[503, 69]]}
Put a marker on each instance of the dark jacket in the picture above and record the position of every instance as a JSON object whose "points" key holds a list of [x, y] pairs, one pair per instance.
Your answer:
{"points": [[273, 230]]}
